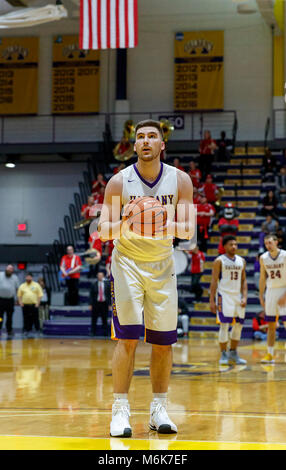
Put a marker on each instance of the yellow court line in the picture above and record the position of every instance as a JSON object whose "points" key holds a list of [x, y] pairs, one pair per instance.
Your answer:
{"points": [[75, 443]]}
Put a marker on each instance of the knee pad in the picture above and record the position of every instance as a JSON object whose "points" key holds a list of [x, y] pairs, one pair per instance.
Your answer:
{"points": [[223, 333], [236, 331]]}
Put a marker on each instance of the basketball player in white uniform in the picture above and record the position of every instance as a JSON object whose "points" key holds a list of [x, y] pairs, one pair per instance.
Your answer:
{"points": [[273, 277], [143, 274], [228, 298]]}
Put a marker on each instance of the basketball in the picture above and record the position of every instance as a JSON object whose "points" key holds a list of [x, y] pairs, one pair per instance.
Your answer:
{"points": [[146, 216]]}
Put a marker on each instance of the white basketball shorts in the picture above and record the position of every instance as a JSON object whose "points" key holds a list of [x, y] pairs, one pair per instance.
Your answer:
{"points": [[144, 289], [272, 310], [229, 308]]}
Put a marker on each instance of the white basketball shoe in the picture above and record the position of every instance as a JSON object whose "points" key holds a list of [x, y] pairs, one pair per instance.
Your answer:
{"points": [[120, 426], [159, 419]]}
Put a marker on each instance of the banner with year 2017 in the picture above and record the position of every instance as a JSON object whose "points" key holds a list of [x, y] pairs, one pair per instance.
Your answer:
{"points": [[18, 76], [199, 71], [75, 77]]}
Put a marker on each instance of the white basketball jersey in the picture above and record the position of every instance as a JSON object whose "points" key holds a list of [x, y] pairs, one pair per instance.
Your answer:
{"points": [[230, 276], [165, 189], [275, 269]]}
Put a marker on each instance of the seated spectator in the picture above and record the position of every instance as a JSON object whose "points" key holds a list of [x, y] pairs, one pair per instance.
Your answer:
{"points": [[205, 211], [177, 164], [85, 213], [210, 190], [70, 267], [98, 183], [207, 149], [270, 225], [223, 148], [269, 204], [260, 327], [117, 169], [195, 174], [99, 197], [183, 318], [281, 235], [269, 165], [197, 268]]}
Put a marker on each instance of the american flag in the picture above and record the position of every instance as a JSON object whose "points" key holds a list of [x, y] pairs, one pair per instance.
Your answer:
{"points": [[108, 24]]}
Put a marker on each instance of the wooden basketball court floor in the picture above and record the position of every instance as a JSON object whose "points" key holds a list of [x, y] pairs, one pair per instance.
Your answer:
{"points": [[57, 394]]}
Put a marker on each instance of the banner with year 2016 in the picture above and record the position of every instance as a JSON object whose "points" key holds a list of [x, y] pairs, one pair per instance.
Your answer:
{"points": [[199, 71], [18, 75], [75, 77]]}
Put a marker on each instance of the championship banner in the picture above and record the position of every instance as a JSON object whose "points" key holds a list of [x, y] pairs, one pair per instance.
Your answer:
{"points": [[199, 71], [18, 76], [75, 77]]}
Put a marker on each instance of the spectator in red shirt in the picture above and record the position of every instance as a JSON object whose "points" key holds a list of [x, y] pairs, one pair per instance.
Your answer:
{"points": [[207, 149], [197, 269], [70, 267], [195, 174], [177, 164], [85, 208], [99, 197], [95, 249], [86, 214], [210, 190], [98, 183], [108, 247], [205, 211], [196, 196]]}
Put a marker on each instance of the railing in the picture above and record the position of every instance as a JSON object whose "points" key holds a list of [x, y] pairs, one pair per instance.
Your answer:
{"points": [[266, 131], [279, 124], [99, 127], [67, 234]]}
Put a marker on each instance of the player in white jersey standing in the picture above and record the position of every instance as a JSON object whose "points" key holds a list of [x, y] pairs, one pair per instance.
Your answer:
{"points": [[273, 278], [143, 274], [228, 299]]}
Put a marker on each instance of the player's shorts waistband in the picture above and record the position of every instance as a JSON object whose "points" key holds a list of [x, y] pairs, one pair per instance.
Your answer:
{"points": [[117, 252]]}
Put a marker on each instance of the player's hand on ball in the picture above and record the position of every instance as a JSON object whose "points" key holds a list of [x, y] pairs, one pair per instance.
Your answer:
{"points": [[128, 211], [163, 230], [213, 307]]}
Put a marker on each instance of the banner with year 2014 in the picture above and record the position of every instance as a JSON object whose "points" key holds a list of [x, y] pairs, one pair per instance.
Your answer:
{"points": [[18, 76], [199, 71], [75, 77]]}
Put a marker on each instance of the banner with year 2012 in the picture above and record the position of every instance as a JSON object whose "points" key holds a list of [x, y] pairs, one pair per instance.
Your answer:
{"points": [[199, 71], [18, 76], [75, 77]]}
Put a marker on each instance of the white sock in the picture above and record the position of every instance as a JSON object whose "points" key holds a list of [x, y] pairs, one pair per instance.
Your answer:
{"points": [[160, 397], [120, 396], [270, 350]]}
